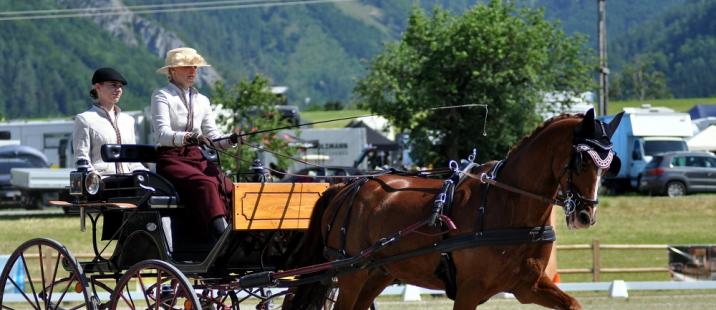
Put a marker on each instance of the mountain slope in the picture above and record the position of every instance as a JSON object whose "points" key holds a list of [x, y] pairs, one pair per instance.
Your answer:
{"points": [[682, 43], [317, 50]]}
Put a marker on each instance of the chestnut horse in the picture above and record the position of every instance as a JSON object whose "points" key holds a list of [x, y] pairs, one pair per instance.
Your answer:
{"points": [[567, 155]]}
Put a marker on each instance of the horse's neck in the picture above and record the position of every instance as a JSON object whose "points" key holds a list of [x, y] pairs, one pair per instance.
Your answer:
{"points": [[529, 169]]}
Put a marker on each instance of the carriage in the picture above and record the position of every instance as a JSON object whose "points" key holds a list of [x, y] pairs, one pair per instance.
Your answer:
{"points": [[482, 231], [158, 248]]}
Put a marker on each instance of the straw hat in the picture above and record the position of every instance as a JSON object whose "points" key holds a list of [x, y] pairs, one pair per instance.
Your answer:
{"points": [[182, 57]]}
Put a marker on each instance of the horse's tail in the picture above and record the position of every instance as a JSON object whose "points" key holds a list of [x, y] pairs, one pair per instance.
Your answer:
{"points": [[312, 295]]}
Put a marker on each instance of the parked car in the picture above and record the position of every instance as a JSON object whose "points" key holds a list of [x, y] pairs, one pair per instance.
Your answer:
{"points": [[316, 174], [10, 194], [679, 173]]}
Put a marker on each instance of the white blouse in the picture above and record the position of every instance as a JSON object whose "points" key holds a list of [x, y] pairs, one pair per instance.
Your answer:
{"points": [[176, 113], [96, 127]]}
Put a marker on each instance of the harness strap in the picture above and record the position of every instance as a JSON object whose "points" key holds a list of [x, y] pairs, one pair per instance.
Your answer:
{"points": [[541, 234], [446, 272], [341, 252]]}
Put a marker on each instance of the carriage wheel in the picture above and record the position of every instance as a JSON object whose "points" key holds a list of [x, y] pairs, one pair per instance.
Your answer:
{"points": [[154, 284], [42, 274]]}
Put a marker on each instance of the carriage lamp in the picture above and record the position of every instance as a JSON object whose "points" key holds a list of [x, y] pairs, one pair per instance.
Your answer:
{"points": [[77, 177], [93, 183]]}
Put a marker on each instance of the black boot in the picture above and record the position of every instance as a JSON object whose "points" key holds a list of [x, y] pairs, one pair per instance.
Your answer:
{"points": [[217, 227]]}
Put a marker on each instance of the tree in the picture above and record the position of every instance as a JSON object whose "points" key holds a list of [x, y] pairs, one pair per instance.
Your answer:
{"points": [[641, 80], [251, 107], [494, 54]]}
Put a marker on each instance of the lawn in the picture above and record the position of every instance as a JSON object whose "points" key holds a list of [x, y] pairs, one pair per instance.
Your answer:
{"points": [[621, 220], [679, 104]]}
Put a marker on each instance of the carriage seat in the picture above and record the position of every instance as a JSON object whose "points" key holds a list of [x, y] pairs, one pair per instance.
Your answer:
{"points": [[165, 195], [143, 153]]}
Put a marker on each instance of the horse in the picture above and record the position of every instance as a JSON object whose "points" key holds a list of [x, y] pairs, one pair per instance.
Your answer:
{"points": [[560, 162]]}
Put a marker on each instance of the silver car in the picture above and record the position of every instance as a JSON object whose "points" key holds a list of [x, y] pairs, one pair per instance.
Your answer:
{"points": [[679, 173]]}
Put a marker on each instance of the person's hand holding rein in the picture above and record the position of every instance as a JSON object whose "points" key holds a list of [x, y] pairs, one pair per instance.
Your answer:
{"points": [[194, 138], [238, 136]]}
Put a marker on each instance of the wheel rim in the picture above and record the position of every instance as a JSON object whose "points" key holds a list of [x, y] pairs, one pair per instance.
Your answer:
{"points": [[154, 284], [43, 274], [675, 189]]}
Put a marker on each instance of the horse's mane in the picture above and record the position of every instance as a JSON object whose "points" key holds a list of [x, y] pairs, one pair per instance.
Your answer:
{"points": [[539, 129]]}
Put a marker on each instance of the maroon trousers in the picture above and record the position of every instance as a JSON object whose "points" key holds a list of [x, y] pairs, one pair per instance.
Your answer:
{"points": [[196, 180]]}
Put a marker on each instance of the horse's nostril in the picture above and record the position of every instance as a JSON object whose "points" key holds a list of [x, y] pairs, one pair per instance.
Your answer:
{"points": [[584, 217]]}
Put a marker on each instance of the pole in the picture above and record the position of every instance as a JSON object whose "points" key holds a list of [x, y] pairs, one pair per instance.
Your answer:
{"points": [[603, 69]]}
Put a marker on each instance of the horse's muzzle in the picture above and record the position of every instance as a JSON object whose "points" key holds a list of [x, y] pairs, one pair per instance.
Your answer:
{"points": [[581, 219]]}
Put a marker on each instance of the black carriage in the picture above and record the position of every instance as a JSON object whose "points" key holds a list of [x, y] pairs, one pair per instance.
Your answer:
{"points": [[160, 259]]}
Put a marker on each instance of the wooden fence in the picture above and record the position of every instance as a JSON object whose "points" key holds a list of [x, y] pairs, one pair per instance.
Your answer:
{"points": [[596, 248]]}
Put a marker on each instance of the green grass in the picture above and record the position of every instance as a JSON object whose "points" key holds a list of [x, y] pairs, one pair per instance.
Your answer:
{"points": [[621, 220], [317, 116], [679, 105]]}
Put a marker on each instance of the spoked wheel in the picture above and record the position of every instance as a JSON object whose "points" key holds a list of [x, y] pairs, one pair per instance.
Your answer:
{"points": [[154, 284], [42, 274]]}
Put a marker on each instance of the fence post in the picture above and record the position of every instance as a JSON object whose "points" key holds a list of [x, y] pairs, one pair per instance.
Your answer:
{"points": [[596, 263]]}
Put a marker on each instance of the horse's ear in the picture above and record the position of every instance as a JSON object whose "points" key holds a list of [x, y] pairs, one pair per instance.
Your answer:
{"points": [[614, 124], [586, 127]]}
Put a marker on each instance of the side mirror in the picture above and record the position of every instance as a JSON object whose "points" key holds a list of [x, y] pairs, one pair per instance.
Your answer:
{"points": [[635, 155]]}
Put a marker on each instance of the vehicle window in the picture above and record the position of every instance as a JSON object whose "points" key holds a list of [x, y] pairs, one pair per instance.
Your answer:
{"points": [[655, 162], [695, 161], [338, 172], [652, 147], [710, 162], [678, 161]]}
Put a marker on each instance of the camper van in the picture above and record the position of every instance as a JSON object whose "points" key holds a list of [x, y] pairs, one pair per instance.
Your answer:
{"points": [[53, 138], [642, 133]]}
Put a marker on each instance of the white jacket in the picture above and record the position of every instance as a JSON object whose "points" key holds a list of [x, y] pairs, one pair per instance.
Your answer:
{"points": [[170, 117], [93, 128]]}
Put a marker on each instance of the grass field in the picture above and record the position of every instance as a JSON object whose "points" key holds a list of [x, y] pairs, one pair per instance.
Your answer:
{"points": [[680, 104]]}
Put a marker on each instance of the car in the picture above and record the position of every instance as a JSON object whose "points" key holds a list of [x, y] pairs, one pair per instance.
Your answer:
{"points": [[318, 174], [679, 173], [9, 194]]}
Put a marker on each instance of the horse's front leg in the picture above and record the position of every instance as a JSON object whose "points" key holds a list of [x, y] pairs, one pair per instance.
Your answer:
{"points": [[374, 285], [546, 293], [350, 286]]}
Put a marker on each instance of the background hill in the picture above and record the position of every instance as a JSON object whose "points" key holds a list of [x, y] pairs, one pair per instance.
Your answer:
{"points": [[317, 50]]}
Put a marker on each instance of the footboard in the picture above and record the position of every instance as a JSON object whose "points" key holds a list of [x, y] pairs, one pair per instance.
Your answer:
{"points": [[275, 205]]}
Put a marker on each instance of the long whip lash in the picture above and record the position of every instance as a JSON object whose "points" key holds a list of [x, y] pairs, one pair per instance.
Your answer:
{"points": [[484, 125]]}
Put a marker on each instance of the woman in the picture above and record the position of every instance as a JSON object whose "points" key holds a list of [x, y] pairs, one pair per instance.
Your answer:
{"points": [[183, 120], [104, 123]]}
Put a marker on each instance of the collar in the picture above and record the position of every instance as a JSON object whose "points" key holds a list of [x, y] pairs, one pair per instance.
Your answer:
{"points": [[99, 108]]}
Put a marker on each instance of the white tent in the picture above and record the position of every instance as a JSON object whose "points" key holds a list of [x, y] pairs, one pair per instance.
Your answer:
{"points": [[704, 140]]}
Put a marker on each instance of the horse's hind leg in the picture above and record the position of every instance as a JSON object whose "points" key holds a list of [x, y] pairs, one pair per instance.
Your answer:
{"points": [[374, 285], [547, 294]]}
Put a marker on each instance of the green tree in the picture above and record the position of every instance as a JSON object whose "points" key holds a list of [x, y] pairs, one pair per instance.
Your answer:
{"points": [[640, 80], [251, 107], [495, 54]]}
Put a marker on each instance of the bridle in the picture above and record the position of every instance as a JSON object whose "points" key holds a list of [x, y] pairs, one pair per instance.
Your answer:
{"points": [[570, 199]]}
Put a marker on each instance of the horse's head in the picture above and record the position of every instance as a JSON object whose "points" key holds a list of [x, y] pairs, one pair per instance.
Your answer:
{"points": [[591, 157]]}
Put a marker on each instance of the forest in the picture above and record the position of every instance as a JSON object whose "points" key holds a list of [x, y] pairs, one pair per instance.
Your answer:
{"points": [[657, 48]]}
